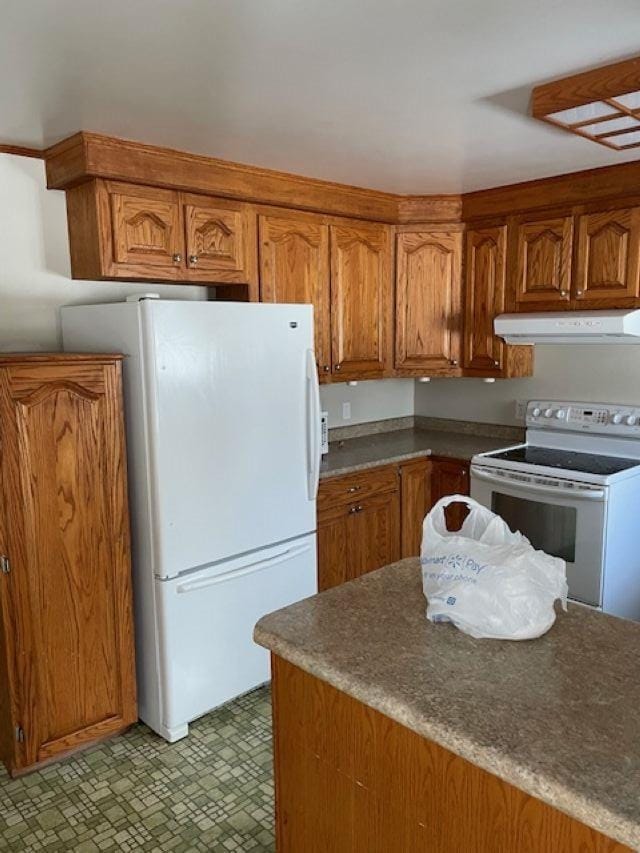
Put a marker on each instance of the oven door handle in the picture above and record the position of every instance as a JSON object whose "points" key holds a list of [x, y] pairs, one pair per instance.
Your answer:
{"points": [[587, 495]]}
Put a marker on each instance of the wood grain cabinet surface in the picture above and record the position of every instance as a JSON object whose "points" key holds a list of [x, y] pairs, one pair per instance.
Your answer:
{"points": [[428, 302], [125, 231], [608, 266], [66, 627], [361, 301], [294, 267], [358, 524], [424, 481], [543, 262], [485, 354]]}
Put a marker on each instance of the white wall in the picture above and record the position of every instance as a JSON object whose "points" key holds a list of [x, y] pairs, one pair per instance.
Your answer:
{"points": [[370, 401], [606, 374], [35, 276]]}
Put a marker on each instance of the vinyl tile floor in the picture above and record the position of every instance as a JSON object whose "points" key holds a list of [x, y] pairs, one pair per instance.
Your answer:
{"points": [[212, 791]]}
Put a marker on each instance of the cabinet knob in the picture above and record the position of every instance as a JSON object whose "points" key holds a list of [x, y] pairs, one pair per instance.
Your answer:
{"points": [[338, 366], [496, 363], [193, 260], [579, 292], [564, 293], [177, 258], [454, 362], [326, 368]]}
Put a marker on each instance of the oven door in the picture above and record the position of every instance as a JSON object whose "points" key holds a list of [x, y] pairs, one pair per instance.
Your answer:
{"points": [[563, 519]]}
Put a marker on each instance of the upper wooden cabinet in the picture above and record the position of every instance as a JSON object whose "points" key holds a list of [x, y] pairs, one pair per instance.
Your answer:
{"points": [[607, 269], [543, 262], [125, 231], [294, 267], [428, 302], [361, 301], [485, 354], [67, 674]]}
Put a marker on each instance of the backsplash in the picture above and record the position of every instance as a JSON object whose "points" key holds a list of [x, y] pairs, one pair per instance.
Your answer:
{"points": [[367, 401]]}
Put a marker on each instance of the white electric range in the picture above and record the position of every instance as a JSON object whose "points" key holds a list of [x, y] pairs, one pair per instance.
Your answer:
{"points": [[573, 489]]}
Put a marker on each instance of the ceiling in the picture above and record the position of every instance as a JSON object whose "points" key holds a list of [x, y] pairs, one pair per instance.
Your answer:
{"points": [[415, 96]]}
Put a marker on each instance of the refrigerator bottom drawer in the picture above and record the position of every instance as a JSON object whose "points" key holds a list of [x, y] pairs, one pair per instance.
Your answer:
{"points": [[206, 651]]}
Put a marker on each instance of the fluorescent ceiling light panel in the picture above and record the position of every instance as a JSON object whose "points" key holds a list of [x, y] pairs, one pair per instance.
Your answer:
{"points": [[602, 105]]}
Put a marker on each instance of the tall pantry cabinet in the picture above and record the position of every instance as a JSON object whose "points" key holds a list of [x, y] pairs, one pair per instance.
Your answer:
{"points": [[66, 628]]}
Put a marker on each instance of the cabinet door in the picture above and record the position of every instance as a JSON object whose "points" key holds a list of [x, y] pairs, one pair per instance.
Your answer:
{"points": [[294, 267], [146, 230], [374, 532], [69, 588], [361, 301], [428, 301], [543, 261], [334, 547], [450, 477], [484, 297], [608, 253], [416, 499], [220, 240]]}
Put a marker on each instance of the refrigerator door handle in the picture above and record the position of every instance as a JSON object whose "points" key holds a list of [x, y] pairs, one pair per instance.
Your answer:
{"points": [[249, 569], [313, 425]]}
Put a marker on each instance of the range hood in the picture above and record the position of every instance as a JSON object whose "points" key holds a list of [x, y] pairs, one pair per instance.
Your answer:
{"points": [[570, 327]]}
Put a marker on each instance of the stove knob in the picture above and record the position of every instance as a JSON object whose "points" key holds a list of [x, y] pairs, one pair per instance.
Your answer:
{"points": [[548, 413], [631, 420], [561, 414], [616, 418], [536, 412]]}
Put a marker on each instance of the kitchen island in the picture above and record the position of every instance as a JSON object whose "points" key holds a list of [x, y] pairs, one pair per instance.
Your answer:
{"points": [[393, 735]]}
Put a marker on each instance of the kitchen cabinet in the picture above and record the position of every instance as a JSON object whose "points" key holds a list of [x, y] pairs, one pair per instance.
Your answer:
{"points": [[485, 354], [543, 263], [608, 259], [450, 477], [423, 482], [358, 524], [428, 302], [294, 267], [125, 231], [67, 674], [361, 301], [415, 477]]}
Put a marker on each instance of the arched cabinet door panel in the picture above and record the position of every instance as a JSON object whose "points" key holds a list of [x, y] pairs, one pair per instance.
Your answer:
{"points": [[608, 267], [66, 618], [361, 301]]}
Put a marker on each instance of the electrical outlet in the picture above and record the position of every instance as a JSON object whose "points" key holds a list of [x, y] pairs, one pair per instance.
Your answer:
{"points": [[346, 411], [521, 410]]}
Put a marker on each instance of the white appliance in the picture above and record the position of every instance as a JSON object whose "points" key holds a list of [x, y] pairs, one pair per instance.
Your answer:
{"points": [[573, 489], [570, 327], [223, 429], [324, 433]]}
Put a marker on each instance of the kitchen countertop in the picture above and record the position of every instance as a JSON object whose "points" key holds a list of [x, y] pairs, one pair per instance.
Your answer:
{"points": [[355, 454], [558, 717]]}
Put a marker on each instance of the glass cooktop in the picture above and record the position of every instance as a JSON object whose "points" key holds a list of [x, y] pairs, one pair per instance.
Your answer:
{"points": [[567, 460]]}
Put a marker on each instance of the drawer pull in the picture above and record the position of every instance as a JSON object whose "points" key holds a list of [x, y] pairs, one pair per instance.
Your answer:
{"points": [[356, 509], [353, 489]]}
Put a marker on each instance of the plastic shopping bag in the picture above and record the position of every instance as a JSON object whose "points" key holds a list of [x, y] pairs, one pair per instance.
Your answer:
{"points": [[486, 579]]}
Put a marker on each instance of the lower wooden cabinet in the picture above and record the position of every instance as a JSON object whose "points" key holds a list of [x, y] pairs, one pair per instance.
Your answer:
{"points": [[450, 477], [424, 482], [374, 517], [358, 533], [67, 675]]}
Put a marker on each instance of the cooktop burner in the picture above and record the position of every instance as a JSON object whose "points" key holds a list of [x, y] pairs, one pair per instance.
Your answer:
{"points": [[567, 460]]}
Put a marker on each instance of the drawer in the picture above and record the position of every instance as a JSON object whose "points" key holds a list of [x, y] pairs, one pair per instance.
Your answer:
{"points": [[350, 488]]}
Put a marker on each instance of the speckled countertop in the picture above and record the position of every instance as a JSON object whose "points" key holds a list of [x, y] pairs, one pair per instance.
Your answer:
{"points": [[558, 717], [354, 454]]}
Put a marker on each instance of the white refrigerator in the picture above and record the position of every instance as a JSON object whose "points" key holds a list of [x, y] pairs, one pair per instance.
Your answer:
{"points": [[223, 431]]}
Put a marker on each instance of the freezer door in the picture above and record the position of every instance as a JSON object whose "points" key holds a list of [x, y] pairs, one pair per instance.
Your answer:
{"points": [[234, 428], [206, 620]]}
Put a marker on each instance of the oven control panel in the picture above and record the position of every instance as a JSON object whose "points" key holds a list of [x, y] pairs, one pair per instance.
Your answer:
{"points": [[604, 418]]}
